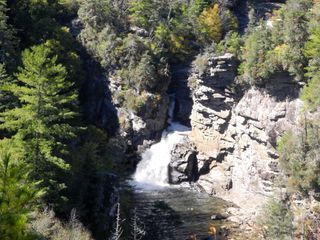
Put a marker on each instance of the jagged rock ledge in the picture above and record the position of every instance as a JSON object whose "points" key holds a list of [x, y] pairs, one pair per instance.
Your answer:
{"points": [[234, 137]]}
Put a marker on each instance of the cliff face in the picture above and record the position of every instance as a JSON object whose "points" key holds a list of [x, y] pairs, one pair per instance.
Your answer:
{"points": [[235, 134]]}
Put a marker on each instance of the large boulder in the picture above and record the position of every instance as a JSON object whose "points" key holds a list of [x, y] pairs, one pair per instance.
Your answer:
{"points": [[183, 165]]}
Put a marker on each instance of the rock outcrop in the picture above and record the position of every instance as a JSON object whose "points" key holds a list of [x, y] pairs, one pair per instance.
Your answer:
{"points": [[235, 134], [184, 164], [213, 102], [146, 126]]}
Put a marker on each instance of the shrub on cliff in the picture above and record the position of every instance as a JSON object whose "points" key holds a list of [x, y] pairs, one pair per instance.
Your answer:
{"points": [[299, 153], [210, 23], [276, 221], [255, 66], [279, 46], [310, 93]]}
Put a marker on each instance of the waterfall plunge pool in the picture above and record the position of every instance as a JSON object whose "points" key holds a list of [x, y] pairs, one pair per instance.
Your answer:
{"points": [[171, 212]]}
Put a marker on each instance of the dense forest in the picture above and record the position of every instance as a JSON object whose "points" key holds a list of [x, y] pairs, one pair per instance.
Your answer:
{"points": [[56, 156]]}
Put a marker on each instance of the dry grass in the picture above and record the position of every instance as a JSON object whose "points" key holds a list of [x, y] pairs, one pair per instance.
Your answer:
{"points": [[48, 227]]}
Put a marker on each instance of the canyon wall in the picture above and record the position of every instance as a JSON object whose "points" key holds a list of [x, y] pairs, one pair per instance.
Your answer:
{"points": [[235, 131]]}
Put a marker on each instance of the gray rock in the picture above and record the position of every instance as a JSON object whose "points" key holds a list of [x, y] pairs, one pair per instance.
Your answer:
{"points": [[218, 216], [184, 164], [236, 136]]}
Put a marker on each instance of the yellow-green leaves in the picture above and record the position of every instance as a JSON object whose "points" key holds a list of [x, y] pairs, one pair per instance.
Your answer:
{"points": [[210, 23]]}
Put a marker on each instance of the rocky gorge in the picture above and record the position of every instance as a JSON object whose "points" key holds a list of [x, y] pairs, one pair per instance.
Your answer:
{"points": [[231, 150], [235, 125]]}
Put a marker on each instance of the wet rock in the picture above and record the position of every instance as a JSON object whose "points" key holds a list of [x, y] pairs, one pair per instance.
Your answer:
{"points": [[184, 164], [76, 27], [218, 216]]}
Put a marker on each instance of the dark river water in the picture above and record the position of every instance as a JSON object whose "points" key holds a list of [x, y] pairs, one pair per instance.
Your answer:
{"points": [[176, 212]]}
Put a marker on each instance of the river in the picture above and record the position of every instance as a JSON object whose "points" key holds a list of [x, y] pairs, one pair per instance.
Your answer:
{"points": [[171, 212]]}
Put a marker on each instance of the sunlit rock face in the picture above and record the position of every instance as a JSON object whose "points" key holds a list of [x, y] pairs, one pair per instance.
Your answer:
{"points": [[236, 133], [213, 102]]}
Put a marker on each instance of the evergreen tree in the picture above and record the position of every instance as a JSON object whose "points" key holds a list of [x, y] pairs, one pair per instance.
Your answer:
{"points": [[277, 221], [295, 33], [255, 66], [299, 159], [310, 93], [45, 116], [6, 99], [197, 6], [17, 193], [36, 20], [141, 10], [7, 40]]}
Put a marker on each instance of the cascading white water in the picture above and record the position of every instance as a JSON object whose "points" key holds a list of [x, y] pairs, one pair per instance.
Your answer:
{"points": [[153, 168]]}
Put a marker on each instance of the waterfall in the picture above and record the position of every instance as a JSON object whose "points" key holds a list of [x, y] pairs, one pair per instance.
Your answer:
{"points": [[152, 170]]}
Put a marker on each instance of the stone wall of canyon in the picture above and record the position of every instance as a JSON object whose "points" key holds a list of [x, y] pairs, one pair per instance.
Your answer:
{"points": [[234, 134]]}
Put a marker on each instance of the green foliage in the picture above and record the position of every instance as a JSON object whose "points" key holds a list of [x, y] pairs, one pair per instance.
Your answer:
{"points": [[231, 43], [97, 14], [298, 157], [7, 100], [255, 65], [210, 23], [71, 5], [295, 33], [229, 22], [17, 193], [197, 6], [310, 93], [65, 47], [276, 221], [277, 48], [140, 11], [35, 19], [45, 119], [7, 39]]}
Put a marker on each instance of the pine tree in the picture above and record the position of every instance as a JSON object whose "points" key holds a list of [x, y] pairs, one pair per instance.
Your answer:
{"points": [[44, 119], [7, 40], [197, 6], [141, 12], [277, 220], [17, 193], [310, 93], [7, 100]]}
